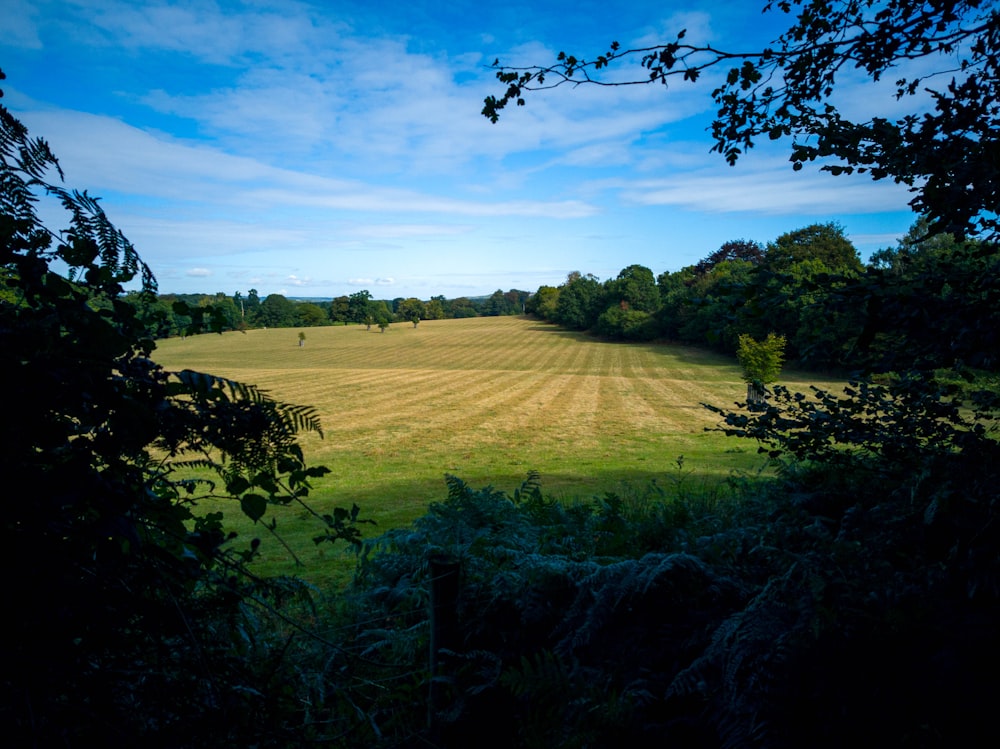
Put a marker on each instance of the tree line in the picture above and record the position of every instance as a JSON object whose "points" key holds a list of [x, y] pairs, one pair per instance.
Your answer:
{"points": [[167, 315], [810, 287]]}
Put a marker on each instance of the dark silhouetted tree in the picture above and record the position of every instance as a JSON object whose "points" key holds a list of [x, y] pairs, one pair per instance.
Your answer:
{"points": [[737, 249]]}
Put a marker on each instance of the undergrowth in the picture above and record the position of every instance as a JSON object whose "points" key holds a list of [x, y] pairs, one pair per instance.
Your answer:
{"points": [[852, 599]]}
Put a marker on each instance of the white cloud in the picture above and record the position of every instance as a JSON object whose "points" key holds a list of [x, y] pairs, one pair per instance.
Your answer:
{"points": [[199, 273], [396, 201], [109, 155], [876, 240], [203, 29], [20, 24], [762, 181], [396, 231], [768, 192]]}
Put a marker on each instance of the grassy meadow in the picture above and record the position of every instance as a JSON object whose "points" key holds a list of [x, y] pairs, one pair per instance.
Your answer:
{"points": [[486, 399]]}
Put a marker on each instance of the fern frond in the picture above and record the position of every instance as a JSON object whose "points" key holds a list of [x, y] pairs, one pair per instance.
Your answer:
{"points": [[530, 488], [538, 674], [301, 418], [212, 387], [664, 583], [457, 488], [30, 155], [195, 464]]}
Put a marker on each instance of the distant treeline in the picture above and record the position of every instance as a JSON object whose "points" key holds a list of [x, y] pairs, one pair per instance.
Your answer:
{"points": [[810, 286], [182, 314]]}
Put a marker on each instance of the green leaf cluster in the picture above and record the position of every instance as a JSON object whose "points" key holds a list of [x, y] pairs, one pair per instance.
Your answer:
{"points": [[761, 362]]}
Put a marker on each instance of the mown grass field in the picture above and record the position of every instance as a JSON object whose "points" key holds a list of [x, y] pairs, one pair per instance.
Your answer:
{"points": [[486, 399]]}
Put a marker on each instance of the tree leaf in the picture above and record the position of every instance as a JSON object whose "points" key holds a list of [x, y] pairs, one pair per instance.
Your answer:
{"points": [[254, 506]]}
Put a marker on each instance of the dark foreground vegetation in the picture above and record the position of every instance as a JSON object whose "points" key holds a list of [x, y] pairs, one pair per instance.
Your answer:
{"points": [[853, 600]]}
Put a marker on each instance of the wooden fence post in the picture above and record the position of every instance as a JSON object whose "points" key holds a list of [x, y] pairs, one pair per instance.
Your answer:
{"points": [[444, 571]]}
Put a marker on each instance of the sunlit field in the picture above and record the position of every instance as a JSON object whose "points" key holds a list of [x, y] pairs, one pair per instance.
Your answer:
{"points": [[486, 399]]}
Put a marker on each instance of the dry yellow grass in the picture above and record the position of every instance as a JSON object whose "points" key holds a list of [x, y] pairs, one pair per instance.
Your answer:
{"points": [[486, 399]]}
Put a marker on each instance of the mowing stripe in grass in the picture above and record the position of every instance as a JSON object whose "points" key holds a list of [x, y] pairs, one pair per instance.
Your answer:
{"points": [[484, 398]]}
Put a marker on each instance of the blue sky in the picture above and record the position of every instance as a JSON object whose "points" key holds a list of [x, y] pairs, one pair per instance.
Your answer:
{"points": [[316, 149]]}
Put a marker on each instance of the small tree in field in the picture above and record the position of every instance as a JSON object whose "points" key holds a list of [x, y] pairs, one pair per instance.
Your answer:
{"points": [[761, 362], [302, 338], [412, 310]]}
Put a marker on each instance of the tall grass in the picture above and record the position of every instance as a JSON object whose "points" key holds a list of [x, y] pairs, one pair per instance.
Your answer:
{"points": [[486, 399]]}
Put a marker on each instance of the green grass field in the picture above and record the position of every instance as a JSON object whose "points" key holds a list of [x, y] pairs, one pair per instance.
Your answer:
{"points": [[486, 399]]}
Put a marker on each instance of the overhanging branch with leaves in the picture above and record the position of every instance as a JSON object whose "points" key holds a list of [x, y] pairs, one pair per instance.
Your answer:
{"points": [[786, 89]]}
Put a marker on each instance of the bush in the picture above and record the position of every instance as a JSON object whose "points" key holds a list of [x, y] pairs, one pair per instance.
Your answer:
{"points": [[626, 325]]}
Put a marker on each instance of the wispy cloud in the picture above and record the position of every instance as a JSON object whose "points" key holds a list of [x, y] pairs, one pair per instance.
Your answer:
{"points": [[20, 24], [111, 155], [214, 33], [296, 145], [775, 191]]}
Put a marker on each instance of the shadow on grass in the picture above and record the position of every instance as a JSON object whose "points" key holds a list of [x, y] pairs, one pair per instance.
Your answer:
{"points": [[794, 373], [396, 504], [698, 354]]}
